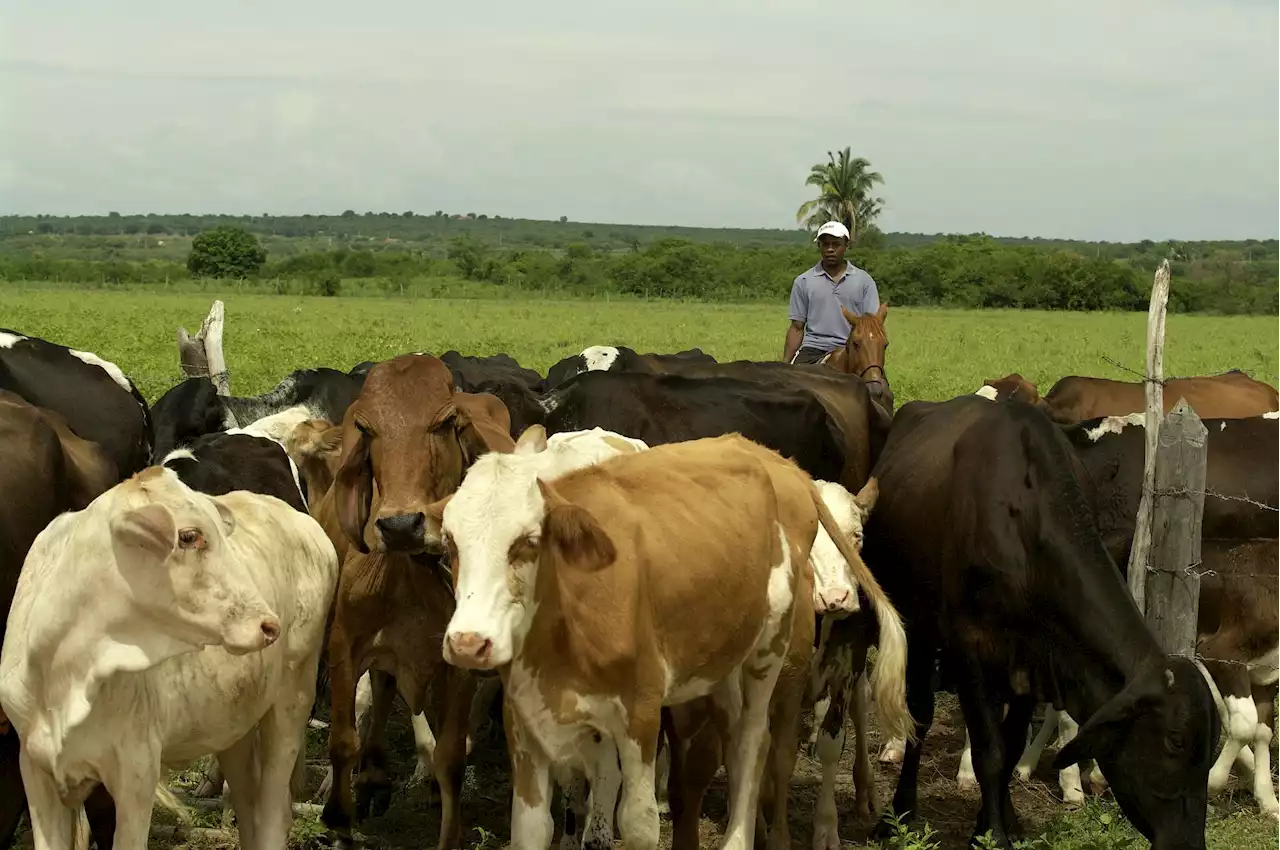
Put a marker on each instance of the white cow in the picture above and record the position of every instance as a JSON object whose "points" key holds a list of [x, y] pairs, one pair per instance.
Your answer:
{"points": [[156, 626]]}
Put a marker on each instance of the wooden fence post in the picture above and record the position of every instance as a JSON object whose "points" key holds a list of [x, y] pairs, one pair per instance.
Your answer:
{"points": [[201, 355], [1173, 587], [1140, 551]]}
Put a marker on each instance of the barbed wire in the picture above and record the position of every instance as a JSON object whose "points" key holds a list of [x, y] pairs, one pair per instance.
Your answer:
{"points": [[1186, 491]]}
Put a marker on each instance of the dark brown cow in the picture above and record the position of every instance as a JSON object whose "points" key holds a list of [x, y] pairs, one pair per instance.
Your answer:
{"points": [[45, 470], [984, 536], [1230, 395], [413, 436]]}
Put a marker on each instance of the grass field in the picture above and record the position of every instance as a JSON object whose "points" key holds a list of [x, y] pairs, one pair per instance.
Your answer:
{"points": [[934, 354]]}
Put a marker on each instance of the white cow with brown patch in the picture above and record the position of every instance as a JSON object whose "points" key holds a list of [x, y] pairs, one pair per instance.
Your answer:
{"points": [[649, 579], [156, 626]]}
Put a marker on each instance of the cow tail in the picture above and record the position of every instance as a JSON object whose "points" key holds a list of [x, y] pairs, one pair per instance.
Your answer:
{"points": [[889, 678]]}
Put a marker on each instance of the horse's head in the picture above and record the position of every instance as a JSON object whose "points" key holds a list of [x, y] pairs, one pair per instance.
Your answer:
{"points": [[864, 353]]}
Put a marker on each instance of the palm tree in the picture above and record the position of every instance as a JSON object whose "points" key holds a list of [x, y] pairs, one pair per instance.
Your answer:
{"points": [[845, 184]]}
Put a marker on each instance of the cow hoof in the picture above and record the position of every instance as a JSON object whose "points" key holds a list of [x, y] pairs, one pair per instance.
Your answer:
{"points": [[967, 784], [1024, 773], [824, 839]]}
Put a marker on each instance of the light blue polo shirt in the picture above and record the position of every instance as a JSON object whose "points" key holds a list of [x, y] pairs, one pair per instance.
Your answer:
{"points": [[816, 301]]}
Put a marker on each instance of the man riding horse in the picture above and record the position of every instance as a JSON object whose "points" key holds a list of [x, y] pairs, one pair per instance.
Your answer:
{"points": [[836, 315]]}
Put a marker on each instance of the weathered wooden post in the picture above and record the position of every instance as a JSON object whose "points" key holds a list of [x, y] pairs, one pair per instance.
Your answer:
{"points": [[1173, 586], [1141, 550], [201, 355]]}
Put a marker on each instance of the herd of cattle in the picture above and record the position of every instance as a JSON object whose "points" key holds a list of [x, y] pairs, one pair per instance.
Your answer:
{"points": [[645, 555]]}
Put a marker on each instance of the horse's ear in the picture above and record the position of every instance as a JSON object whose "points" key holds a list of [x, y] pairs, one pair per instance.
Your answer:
{"points": [[882, 312], [851, 318]]}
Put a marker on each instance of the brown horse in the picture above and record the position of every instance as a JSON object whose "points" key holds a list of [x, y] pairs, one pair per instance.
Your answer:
{"points": [[863, 354]]}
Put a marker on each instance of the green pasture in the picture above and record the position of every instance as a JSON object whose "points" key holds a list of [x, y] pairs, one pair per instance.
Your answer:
{"points": [[933, 353]]}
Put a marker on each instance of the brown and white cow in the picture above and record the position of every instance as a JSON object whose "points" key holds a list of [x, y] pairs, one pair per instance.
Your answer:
{"points": [[407, 440], [649, 579], [1230, 395]]}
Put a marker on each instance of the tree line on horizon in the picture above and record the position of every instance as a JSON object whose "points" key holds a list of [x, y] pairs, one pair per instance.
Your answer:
{"points": [[395, 253]]}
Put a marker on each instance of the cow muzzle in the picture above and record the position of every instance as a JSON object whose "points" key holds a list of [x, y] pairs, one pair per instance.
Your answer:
{"points": [[403, 532], [470, 650], [252, 634], [836, 601]]}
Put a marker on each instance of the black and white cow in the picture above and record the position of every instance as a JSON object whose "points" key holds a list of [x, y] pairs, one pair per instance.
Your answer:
{"points": [[93, 395], [194, 408], [617, 358]]}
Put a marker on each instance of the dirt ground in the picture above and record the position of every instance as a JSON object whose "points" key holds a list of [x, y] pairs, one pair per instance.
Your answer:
{"points": [[413, 822]]}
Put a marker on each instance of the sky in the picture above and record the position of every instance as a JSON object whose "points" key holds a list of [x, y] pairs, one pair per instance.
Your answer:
{"points": [[1089, 119]]}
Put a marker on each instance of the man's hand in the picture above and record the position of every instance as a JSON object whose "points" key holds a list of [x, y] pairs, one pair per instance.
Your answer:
{"points": [[795, 335]]}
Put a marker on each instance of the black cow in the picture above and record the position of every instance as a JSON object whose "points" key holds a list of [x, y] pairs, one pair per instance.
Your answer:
{"points": [[1242, 461], [194, 408], [469, 372], [671, 408], [611, 358], [220, 463], [985, 540], [96, 399]]}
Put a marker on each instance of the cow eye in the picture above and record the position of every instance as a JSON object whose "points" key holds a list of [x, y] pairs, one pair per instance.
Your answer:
{"points": [[191, 538], [1174, 742], [523, 550]]}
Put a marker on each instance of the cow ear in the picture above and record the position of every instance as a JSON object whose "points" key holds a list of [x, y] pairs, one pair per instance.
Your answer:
{"points": [[851, 318], [227, 517], [866, 498], [481, 427], [150, 528], [1101, 733], [532, 441], [353, 486], [573, 534]]}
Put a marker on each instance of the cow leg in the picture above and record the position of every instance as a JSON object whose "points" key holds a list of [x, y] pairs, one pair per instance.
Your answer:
{"points": [[239, 764], [424, 746], [281, 737], [638, 810], [694, 734], [531, 824], [1069, 776], [454, 690], [53, 825], [748, 748], [864, 778], [982, 719], [920, 696], [830, 745], [100, 811], [1031, 755], [373, 780], [1263, 792], [605, 788], [784, 747], [1017, 723], [344, 746], [133, 788], [1240, 719]]}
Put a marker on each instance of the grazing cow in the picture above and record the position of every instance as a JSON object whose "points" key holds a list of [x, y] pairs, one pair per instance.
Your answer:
{"points": [[661, 409], [470, 372], [413, 436], [45, 470], [97, 400], [194, 408], [212, 607], [611, 358], [589, 655], [863, 354], [1230, 395], [981, 523]]}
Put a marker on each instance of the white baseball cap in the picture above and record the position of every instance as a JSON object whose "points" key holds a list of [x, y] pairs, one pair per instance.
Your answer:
{"points": [[834, 228]]}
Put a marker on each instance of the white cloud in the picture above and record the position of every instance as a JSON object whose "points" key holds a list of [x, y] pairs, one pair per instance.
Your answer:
{"points": [[1088, 119]]}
